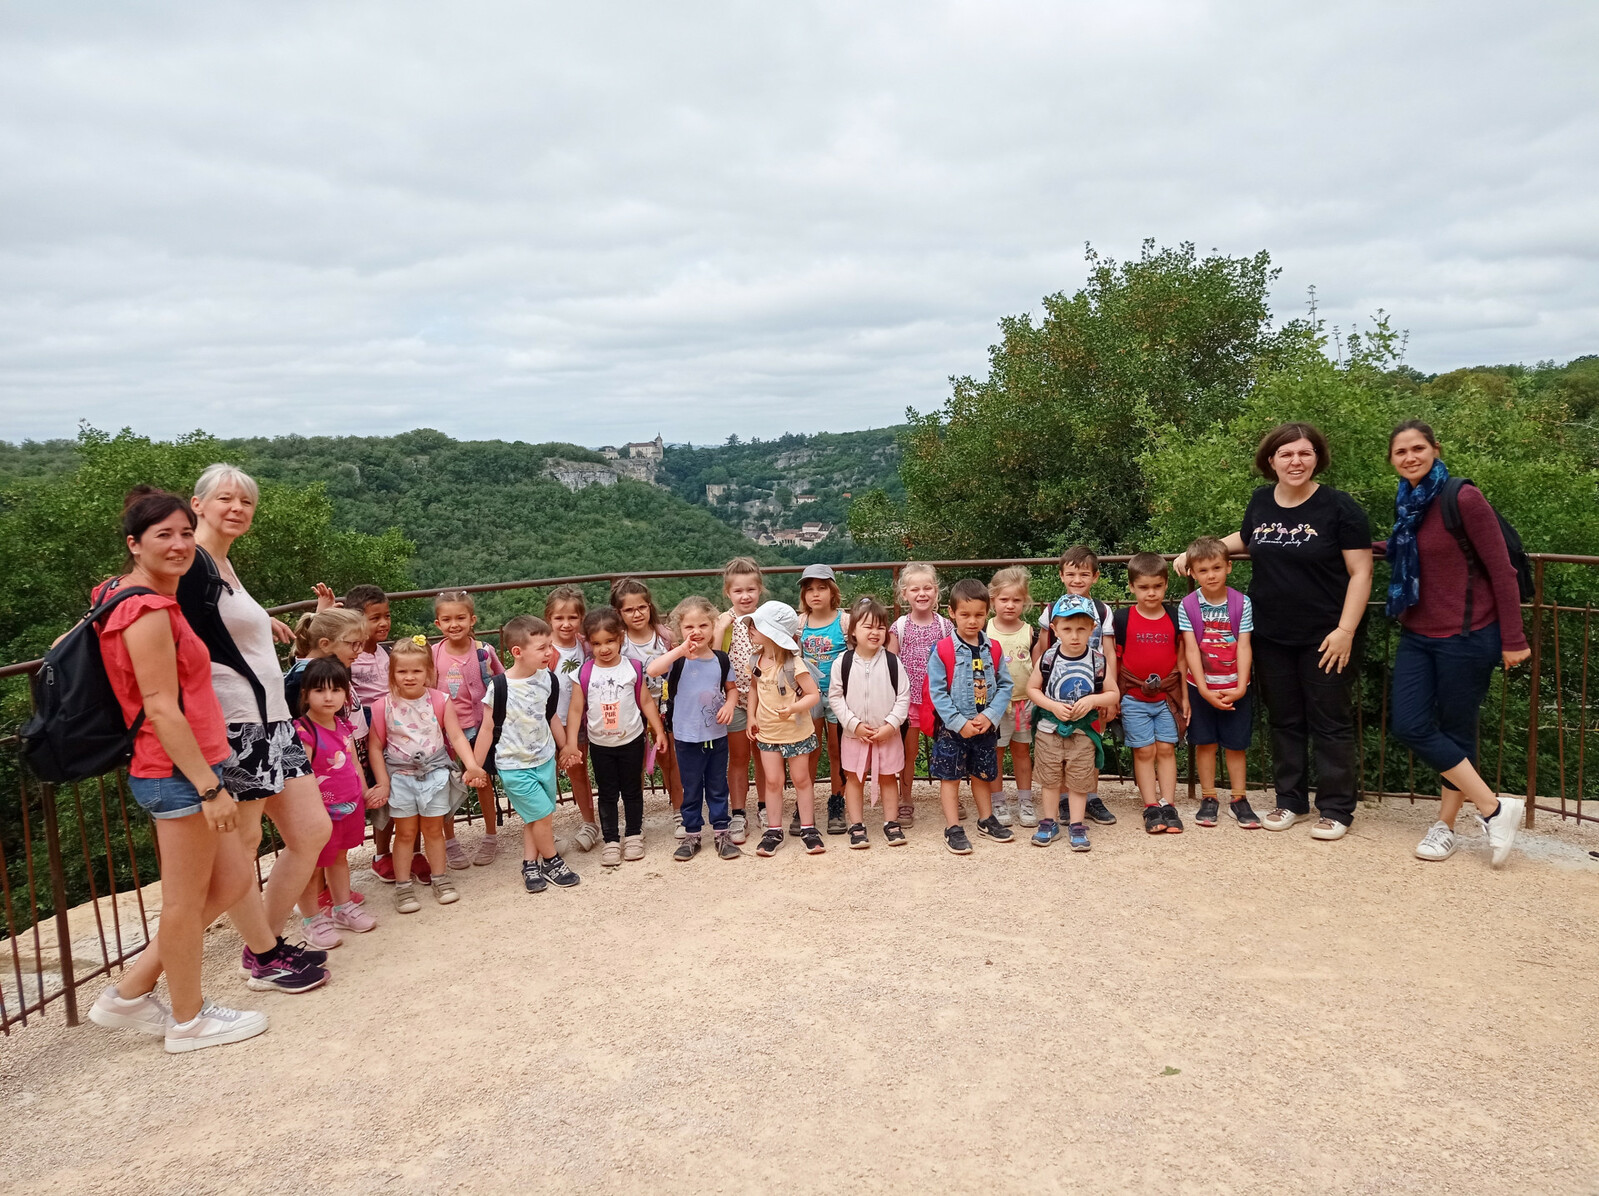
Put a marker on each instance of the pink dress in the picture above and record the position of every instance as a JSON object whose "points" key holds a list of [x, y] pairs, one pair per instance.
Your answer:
{"points": [[338, 776], [916, 643]]}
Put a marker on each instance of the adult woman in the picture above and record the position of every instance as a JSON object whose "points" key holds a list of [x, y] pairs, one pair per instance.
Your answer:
{"points": [[269, 773], [1459, 612], [156, 664], [1309, 546]]}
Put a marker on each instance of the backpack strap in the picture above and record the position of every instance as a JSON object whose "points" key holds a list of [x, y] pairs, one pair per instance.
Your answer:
{"points": [[584, 672], [726, 662], [553, 702], [893, 670], [483, 665], [946, 653], [304, 723], [1190, 606], [674, 675], [380, 716], [845, 662], [500, 687], [638, 685], [1449, 497], [437, 698], [1118, 626], [1235, 610]]}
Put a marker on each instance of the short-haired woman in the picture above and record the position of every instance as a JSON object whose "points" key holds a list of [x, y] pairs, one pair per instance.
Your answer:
{"points": [[1309, 546]]}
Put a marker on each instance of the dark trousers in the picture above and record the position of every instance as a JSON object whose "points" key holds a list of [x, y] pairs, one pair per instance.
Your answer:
{"points": [[1439, 685], [619, 772], [703, 769], [1304, 703]]}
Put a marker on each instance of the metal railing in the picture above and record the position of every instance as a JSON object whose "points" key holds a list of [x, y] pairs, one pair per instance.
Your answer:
{"points": [[77, 861]]}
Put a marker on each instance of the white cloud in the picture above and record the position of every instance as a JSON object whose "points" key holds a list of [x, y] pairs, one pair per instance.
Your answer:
{"points": [[590, 222]]}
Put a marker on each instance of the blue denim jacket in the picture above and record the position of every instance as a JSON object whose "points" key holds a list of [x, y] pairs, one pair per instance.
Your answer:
{"points": [[956, 702]]}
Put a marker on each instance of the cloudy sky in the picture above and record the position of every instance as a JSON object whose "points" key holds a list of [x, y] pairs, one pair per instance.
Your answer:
{"points": [[596, 221]]}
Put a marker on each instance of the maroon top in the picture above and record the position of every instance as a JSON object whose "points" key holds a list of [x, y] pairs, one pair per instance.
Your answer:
{"points": [[1495, 597]]}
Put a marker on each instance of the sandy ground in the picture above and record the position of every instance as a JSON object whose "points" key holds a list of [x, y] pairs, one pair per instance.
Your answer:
{"points": [[1219, 1012]]}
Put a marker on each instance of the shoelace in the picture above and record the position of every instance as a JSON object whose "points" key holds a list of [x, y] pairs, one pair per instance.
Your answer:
{"points": [[1438, 836]]}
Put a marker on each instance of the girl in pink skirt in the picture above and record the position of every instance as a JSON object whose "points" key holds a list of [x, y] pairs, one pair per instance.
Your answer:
{"points": [[871, 694]]}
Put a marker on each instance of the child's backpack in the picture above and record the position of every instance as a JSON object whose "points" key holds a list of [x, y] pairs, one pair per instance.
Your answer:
{"points": [[485, 670], [1118, 623], [78, 730], [500, 687], [848, 659], [587, 671], [945, 648], [675, 674], [1235, 620], [291, 686], [1449, 496]]}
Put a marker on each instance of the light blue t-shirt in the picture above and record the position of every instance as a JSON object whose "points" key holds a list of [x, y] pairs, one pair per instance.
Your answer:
{"points": [[698, 697]]}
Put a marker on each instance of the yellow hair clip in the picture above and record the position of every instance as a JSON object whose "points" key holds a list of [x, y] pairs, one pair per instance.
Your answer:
{"points": [[421, 641]]}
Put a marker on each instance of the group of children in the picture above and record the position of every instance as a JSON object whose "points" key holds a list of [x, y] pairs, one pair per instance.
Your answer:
{"points": [[406, 731]]}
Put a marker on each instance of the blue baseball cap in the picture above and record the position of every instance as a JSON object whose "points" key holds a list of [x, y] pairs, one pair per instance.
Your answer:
{"points": [[1070, 605]]}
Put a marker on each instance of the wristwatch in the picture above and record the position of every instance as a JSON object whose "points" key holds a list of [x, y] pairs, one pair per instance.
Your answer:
{"points": [[211, 793]]}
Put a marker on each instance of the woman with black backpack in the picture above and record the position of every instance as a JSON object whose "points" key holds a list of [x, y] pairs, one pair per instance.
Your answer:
{"points": [[1455, 593]]}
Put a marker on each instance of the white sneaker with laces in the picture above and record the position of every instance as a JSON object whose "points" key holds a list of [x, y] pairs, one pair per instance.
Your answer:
{"points": [[1281, 819], [1026, 815], [1002, 811], [214, 1025], [1328, 829], [677, 825], [146, 1014], [738, 827], [1439, 843], [1502, 827]]}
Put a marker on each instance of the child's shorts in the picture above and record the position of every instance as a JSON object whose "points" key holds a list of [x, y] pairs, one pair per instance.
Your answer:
{"points": [[789, 750], [1065, 762], [741, 716], [531, 790], [1231, 729], [955, 759], [426, 796], [1145, 724], [1018, 725], [349, 833]]}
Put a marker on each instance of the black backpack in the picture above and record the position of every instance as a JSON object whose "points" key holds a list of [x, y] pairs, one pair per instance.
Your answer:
{"points": [[675, 674], [1450, 498], [848, 659], [77, 730], [501, 688]]}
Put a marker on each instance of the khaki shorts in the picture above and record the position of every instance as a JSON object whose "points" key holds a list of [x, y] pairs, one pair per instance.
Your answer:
{"points": [[1066, 764], [1017, 725]]}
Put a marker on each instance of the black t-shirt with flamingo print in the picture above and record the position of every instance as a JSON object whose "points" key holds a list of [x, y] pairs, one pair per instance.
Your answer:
{"points": [[1297, 574]]}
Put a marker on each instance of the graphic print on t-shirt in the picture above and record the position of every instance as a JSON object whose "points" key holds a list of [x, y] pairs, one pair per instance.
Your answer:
{"points": [[1284, 537]]}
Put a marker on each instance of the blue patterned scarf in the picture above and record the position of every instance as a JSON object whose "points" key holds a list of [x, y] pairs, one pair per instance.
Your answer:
{"points": [[1404, 554]]}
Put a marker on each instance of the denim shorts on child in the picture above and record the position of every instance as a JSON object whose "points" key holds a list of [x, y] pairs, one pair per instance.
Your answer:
{"points": [[1018, 725], [954, 758], [531, 790], [789, 750], [426, 796], [168, 797], [1230, 728], [1147, 723]]}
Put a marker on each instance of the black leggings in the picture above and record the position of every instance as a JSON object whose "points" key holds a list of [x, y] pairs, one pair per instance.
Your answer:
{"points": [[619, 772]]}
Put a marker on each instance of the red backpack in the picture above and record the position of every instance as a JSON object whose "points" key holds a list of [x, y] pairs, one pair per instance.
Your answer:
{"points": [[930, 722]]}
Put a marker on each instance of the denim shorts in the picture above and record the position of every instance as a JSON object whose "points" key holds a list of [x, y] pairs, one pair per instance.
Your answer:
{"points": [[426, 796], [1147, 723], [168, 797], [789, 750], [955, 759]]}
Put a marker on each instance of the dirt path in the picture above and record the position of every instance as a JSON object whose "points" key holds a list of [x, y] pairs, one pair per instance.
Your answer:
{"points": [[1219, 1012]]}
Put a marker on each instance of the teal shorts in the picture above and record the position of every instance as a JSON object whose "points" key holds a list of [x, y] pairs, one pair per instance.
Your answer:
{"points": [[531, 790]]}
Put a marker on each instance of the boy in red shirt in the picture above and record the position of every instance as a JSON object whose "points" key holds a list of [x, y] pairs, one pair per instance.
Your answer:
{"points": [[1151, 674]]}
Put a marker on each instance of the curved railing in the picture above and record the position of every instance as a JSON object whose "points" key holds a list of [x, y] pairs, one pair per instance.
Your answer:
{"points": [[76, 861]]}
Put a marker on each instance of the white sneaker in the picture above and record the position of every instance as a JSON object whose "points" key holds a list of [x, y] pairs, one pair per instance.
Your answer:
{"points": [[1025, 814], [1439, 843], [144, 1014], [588, 836], [1503, 826], [762, 813], [1281, 819], [1002, 811], [633, 847], [213, 1026], [320, 933], [1328, 829], [738, 827], [677, 825]]}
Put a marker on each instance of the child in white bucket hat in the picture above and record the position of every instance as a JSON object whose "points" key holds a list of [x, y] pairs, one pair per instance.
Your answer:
{"points": [[782, 695]]}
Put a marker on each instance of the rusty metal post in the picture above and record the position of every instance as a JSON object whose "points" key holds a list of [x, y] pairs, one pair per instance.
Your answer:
{"points": [[1532, 698], [58, 897]]}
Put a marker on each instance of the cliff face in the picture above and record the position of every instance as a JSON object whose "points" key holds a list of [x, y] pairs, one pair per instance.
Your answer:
{"points": [[575, 475]]}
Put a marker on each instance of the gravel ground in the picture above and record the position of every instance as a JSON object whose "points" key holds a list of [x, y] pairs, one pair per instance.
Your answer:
{"points": [[1216, 1012]]}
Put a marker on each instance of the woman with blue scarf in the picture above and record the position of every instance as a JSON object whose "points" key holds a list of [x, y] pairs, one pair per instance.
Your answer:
{"points": [[1460, 618]]}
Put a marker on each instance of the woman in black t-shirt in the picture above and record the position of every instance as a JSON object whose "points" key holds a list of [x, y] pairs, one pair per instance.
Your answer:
{"points": [[1309, 548]]}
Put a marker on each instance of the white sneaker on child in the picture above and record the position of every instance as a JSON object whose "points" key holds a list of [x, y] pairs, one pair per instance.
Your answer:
{"points": [[1002, 811], [1025, 813]]}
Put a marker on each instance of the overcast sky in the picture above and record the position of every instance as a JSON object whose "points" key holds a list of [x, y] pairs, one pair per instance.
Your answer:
{"points": [[597, 221]]}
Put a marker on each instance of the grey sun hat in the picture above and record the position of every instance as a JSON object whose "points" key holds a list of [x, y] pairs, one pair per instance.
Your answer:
{"points": [[816, 573], [778, 623]]}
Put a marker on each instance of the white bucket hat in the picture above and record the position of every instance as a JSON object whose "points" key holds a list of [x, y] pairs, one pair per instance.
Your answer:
{"points": [[778, 623]]}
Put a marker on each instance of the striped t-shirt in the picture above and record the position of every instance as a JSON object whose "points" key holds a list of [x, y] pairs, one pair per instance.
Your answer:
{"points": [[1070, 678]]}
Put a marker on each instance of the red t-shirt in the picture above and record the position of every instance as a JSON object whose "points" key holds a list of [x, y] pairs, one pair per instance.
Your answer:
{"points": [[200, 705], [1151, 653]]}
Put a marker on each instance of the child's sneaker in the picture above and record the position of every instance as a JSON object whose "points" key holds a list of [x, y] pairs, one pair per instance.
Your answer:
{"points": [[405, 901], [611, 855], [955, 839], [835, 815], [213, 1026], [894, 833], [1168, 814], [990, 828], [383, 868], [588, 836], [145, 1014], [1048, 831], [760, 814], [677, 824], [455, 856], [688, 848], [1002, 811], [488, 848], [727, 847], [1154, 823], [1099, 812], [351, 916], [558, 874], [421, 870], [1209, 808], [1244, 812], [1077, 836], [320, 933], [770, 842], [1026, 813], [738, 828], [324, 899], [858, 839], [533, 877], [444, 891], [812, 838], [907, 814], [633, 847]]}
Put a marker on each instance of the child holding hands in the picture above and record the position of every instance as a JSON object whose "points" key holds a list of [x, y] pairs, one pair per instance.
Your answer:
{"points": [[465, 667], [911, 638], [780, 724], [871, 695]]}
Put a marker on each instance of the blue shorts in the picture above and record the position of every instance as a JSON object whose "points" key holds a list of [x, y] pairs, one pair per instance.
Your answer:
{"points": [[531, 790], [1145, 724], [1232, 729], [168, 797], [426, 796], [956, 759]]}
